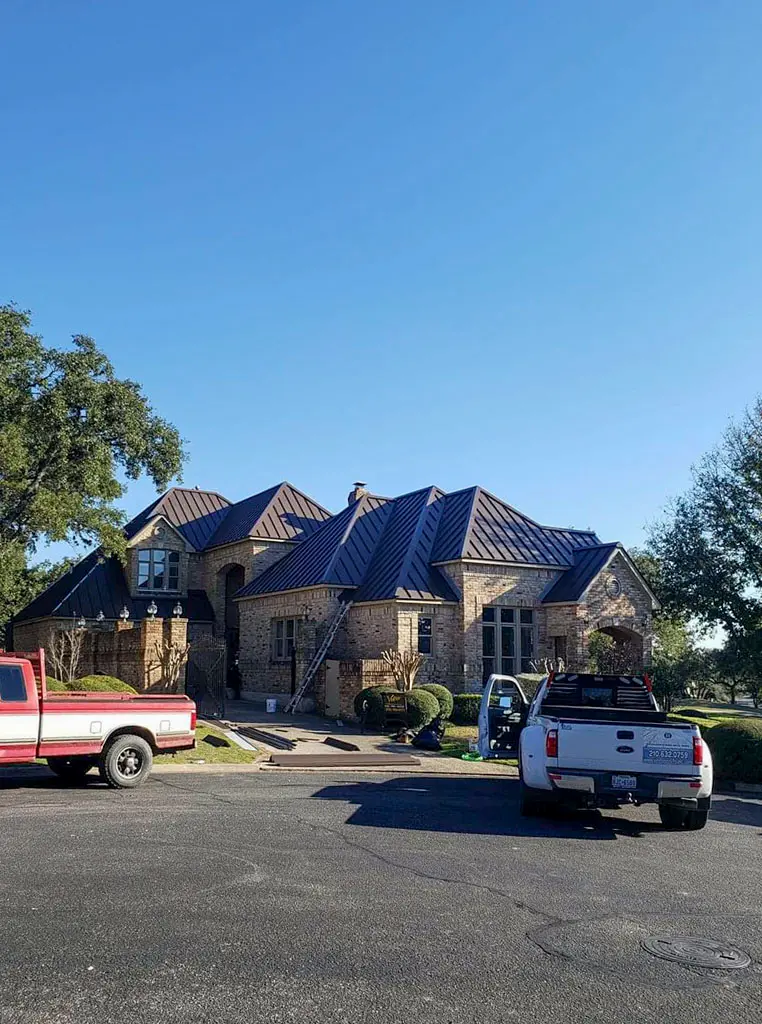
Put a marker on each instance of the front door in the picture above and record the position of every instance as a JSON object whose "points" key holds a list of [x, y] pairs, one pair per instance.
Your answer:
{"points": [[332, 706]]}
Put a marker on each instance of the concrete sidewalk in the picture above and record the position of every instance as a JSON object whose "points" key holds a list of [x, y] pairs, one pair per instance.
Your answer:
{"points": [[306, 734]]}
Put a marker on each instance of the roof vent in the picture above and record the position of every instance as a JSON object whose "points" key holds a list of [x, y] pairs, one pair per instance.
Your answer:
{"points": [[357, 492]]}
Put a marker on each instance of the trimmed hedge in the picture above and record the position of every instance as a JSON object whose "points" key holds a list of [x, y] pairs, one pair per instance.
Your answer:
{"points": [[443, 697], [101, 684], [737, 750], [372, 694], [466, 708], [54, 684], [422, 708]]}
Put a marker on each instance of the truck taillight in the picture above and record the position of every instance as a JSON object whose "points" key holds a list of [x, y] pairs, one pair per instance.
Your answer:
{"points": [[551, 743], [193, 720], [698, 750]]}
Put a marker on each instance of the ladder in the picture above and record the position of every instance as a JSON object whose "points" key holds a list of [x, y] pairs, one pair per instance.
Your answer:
{"points": [[317, 661]]}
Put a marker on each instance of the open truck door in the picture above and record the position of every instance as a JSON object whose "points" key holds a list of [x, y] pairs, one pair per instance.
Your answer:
{"points": [[502, 716]]}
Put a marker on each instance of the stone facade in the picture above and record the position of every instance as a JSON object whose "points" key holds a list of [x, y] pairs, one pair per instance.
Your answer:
{"points": [[157, 536], [213, 565], [126, 650]]}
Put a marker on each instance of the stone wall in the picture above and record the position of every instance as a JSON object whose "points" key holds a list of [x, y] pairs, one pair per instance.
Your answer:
{"points": [[445, 663], [124, 650], [630, 611]]}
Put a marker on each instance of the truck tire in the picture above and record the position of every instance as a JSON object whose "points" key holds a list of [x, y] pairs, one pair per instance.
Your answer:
{"points": [[673, 818], [532, 804], [126, 762], [695, 820], [71, 769]]}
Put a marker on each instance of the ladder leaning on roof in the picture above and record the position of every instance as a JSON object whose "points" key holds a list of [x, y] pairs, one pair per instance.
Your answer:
{"points": [[317, 661]]}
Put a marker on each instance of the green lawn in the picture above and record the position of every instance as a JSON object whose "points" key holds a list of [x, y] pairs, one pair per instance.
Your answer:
{"points": [[212, 747], [456, 742]]}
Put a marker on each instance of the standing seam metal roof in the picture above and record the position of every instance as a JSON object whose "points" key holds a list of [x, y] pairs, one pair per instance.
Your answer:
{"points": [[572, 584]]}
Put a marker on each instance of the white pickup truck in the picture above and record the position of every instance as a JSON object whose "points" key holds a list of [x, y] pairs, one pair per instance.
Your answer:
{"points": [[116, 732], [601, 741]]}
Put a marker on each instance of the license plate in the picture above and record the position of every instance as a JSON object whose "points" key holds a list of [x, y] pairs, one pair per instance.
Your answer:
{"points": [[624, 782]]}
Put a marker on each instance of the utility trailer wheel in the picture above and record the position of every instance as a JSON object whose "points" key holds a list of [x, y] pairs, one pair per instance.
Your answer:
{"points": [[126, 762], [71, 769]]}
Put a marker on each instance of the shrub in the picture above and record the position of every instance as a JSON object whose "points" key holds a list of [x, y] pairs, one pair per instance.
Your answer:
{"points": [[443, 697], [530, 683], [466, 708], [372, 694], [737, 750], [101, 684], [53, 684], [422, 707]]}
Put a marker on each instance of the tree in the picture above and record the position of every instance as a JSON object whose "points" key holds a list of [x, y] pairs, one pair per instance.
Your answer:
{"points": [[404, 666], [69, 427]]}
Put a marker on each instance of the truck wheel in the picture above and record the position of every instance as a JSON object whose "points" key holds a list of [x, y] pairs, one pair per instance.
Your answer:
{"points": [[672, 818], [531, 806], [126, 762], [694, 820], [71, 769]]}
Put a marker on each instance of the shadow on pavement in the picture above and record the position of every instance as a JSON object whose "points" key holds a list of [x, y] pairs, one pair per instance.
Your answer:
{"points": [[474, 806], [737, 811]]}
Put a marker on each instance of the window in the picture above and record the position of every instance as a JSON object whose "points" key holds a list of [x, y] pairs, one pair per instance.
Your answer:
{"points": [[424, 634], [284, 638], [507, 641], [158, 570], [12, 688]]}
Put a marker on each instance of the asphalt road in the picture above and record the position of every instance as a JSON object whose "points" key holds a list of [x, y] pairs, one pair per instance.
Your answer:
{"points": [[323, 898]]}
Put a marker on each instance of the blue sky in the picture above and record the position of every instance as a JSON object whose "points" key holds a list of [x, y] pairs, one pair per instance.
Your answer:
{"points": [[408, 242]]}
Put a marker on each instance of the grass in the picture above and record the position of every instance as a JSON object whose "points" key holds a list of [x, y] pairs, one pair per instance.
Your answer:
{"points": [[457, 739], [212, 747]]}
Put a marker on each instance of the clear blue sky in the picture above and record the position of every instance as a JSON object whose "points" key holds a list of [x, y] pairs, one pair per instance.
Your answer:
{"points": [[408, 242]]}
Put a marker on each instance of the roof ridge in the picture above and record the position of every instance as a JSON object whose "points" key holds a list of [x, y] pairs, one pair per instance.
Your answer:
{"points": [[415, 537], [194, 490], [470, 521], [287, 483], [79, 583], [363, 499]]}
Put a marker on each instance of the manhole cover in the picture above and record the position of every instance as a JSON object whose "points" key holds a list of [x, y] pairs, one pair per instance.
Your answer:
{"points": [[696, 952]]}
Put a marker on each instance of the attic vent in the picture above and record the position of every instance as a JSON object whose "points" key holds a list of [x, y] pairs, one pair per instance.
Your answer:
{"points": [[358, 490]]}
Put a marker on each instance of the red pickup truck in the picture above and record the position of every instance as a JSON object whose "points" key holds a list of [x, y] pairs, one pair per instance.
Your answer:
{"points": [[118, 732]]}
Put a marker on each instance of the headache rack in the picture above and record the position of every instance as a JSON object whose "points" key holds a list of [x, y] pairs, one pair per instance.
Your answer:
{"points": [[584, 690]]}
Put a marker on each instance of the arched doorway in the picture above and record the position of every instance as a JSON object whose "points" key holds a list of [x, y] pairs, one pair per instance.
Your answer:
{"points": [[624, 654], [230, 581]]}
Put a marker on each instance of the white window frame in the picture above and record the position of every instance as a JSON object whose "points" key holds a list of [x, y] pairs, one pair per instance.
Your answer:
{"points": [[426, 636], [506, 623], [285, 632], [169, 559]]}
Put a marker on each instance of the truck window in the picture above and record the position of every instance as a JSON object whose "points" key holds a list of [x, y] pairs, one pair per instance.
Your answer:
{"points": [[12, 688], [597, 696]]}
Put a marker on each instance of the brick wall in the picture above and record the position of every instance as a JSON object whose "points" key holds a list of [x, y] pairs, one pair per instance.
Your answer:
{"points": [[161, 537], [312, 608], [253, 556]]}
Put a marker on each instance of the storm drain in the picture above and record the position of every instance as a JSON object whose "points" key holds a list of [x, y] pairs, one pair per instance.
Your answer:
{"points": [[692, 952]]}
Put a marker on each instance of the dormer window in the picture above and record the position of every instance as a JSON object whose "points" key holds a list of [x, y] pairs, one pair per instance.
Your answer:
{"points": [[158, 570]]}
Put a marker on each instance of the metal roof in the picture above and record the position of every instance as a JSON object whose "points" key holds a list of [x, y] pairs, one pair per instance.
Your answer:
{"points": [[96, 584], [336, 554], [279, 513], [195, 513], [478, 526], [573, 583], [400, 567]]}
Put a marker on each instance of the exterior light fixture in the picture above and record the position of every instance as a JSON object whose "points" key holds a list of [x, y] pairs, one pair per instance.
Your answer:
{"points": [[124, 614], [178, 610], [100, 617], [81, 622], [152, 609]]}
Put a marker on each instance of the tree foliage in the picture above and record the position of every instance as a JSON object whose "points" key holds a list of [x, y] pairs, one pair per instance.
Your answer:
{"points": [[70, 432], [68, 427]]}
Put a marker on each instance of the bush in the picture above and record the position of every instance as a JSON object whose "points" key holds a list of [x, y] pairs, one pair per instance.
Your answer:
{"points": [[101, 684], [530, 683], [443, 697], [422, 707], [737, 750], [466, 708], [372, 694], [53, 684]]}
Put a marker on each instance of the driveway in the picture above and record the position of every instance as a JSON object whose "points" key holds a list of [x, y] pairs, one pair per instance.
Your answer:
{"points": [[347, 898]]}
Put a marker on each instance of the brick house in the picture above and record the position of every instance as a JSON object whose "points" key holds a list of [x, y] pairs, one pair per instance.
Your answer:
{"points": [[462, 577]]}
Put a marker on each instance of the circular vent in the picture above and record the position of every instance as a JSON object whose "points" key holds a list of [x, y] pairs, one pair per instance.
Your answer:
{"points": [[613, 587]]}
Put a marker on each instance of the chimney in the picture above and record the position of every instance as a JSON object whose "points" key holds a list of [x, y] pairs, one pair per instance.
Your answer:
{"points": [[358, 490]]}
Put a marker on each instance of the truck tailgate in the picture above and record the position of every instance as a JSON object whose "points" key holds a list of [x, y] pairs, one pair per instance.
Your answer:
{"points": [[627, 748]]}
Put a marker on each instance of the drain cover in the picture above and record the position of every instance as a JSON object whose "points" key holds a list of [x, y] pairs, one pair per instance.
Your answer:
{"points": [[696, 952]]}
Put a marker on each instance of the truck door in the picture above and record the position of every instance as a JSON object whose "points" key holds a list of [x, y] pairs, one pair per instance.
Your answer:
{"points": [[502, 716], [19, 712]]}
